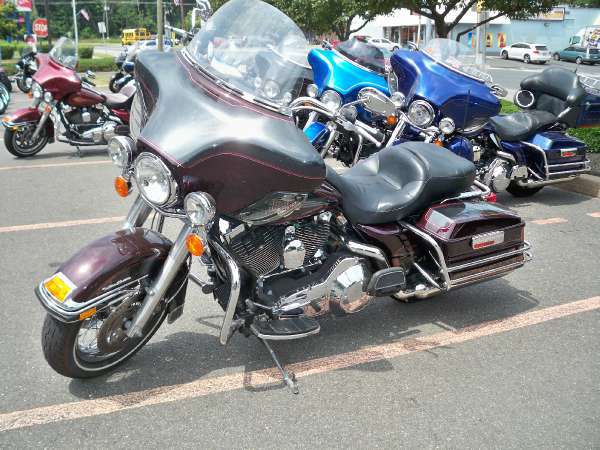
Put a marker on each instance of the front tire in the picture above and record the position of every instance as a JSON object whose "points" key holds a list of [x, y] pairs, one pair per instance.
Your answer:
{"points": [[522, 192], [526, 59], [62, 348], [17, 142], [556, 57], [579, 60]]}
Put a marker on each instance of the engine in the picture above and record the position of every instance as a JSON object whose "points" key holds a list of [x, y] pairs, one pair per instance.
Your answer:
{"points": [[89, 125]]}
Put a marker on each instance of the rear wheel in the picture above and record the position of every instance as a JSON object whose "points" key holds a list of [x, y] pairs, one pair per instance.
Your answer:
{"points": [[98, 344], [556, 57], [23, 85], [526, 59], [19, 142], [520, 191]]}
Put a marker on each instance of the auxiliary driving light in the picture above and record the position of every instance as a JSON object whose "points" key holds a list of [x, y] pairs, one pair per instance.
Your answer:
{"points": [[200, 208]]}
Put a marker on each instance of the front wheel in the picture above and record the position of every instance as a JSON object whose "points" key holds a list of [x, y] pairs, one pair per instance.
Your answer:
{"points": [[520, 191], [556, 57], [19, 142], [23, 86], [526, 59], [98, 344], [504, 55], [579, 60], [112, 85]]}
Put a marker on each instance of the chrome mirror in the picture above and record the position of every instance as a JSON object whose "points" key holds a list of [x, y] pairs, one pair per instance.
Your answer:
{"points": [[498, 90], [376, 102], [90, 74], [204, 8]]}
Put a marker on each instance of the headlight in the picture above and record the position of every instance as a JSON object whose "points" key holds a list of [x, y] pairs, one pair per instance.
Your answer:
{"points": [[48, 97], [447, 125], [120, 149], [312, 90], [332, 100], [421, 113], [154, 180], [399, 100], [271, 89], [37, 91], [200, 208]]}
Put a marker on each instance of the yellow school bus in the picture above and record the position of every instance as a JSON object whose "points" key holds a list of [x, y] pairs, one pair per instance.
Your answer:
{"points": [[132, 35]]}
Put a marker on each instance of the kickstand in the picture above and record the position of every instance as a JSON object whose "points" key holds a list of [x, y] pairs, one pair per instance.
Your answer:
{"points": [[288, 377], [79, 151]]}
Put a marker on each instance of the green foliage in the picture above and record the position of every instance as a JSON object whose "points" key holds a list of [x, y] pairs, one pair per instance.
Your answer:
{"points": [[97, 65], [7, 51], [86, 52], [591, 136], [8, 26]]}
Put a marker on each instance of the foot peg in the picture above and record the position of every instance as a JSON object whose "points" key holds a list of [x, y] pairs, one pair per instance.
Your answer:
{"points": [[285, 328]]}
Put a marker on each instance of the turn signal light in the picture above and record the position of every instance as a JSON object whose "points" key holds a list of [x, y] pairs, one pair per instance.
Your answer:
{"points": [[194, 245], [122, 186], [438, 142], [392, 120], [491, 197]]}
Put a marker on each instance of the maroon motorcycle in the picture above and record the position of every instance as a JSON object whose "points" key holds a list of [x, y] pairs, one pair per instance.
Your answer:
{"points": [[284, 239], [65, 107]]}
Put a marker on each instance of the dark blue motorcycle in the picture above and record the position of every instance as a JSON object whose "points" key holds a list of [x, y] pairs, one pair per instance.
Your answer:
{"points": [[451, 101]]}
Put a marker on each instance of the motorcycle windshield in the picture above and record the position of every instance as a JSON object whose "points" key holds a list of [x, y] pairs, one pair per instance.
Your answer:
{"points": [[64, 53], [254, 49], [457, 57], [366, 55]]}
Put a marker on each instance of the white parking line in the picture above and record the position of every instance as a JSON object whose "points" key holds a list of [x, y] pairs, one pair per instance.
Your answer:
{"points": [[45, 166], [207, 386], [69, 223]]}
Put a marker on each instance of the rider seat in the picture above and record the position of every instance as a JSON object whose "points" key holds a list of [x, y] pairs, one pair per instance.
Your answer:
{"points": [[400, 181], [121, 100], [521, 125]]}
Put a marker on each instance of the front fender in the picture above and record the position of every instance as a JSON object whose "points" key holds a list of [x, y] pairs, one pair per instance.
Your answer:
{"points": [[100, 272], [26, 116]]}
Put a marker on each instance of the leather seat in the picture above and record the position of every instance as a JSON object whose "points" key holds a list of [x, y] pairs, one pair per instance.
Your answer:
{"points": [[121, 100], [400, 181], [521, 125]]}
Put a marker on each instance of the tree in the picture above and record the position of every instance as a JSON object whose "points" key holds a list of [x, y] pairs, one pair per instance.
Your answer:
{"points": [[438, 11], [8, 24]]}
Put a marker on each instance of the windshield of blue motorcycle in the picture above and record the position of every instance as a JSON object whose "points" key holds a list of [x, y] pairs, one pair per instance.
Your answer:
{"points": [[365, 54], [253, 48], [458, 57], [64, 53]]}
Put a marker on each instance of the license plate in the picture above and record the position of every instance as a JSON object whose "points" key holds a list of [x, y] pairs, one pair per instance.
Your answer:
{"points": [[568, 152], [487, 240]]}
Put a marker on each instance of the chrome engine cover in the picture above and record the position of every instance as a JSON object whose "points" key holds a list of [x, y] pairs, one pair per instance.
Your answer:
{"points": [[497, 177], [342, 291]]}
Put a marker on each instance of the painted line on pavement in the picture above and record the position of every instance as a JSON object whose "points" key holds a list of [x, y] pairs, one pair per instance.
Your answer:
{"points": [[69, 223], [551, 221], [207, 386], [45, 166], [595, 215]]}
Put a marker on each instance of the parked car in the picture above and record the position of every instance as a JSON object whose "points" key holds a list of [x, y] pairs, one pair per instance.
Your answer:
{"points": [[578, 55], [526, 52], [384, 44]]}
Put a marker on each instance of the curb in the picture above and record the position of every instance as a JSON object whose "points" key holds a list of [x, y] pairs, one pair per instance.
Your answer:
{"points": [[584, 184]]}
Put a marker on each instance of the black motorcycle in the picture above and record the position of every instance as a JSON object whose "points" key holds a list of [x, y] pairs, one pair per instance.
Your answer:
{"points": [[26, 67], [284, 239]]}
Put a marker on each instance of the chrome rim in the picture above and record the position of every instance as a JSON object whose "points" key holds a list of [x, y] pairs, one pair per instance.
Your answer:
{"points": [[22, 140]]}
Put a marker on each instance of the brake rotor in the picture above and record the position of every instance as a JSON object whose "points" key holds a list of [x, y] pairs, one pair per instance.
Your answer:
{"points": [[113, 332]]}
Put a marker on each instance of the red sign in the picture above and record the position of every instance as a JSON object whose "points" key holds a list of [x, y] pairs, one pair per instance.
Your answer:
{"points": [[40, 28], [24, 5]]}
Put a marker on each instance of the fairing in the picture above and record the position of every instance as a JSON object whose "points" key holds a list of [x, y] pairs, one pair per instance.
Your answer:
{"points": [[216, 141], [467, 101], [57, 79]]}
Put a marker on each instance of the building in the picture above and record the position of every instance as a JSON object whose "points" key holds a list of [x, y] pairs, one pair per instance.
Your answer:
{"points": [[553, 29]]}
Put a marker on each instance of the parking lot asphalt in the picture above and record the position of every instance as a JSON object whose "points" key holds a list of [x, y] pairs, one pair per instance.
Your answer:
{"points": [[512, 363]]}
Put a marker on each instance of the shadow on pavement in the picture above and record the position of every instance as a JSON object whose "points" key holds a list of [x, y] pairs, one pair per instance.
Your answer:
{"points": [[549, 196], [187, 356]]}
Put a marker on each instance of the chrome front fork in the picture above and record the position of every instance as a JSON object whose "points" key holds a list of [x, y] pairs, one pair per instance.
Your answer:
{"points": [[40, 126], [138, 214]]}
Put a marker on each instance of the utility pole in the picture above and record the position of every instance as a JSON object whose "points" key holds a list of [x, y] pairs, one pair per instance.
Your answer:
{"points": [[182, 14], [75, 26], [160, 24], [47, 13], [106, 9]]}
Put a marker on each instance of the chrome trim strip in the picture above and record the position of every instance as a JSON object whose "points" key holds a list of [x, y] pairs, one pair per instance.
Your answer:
{"points": [[526, 246], [234, 293], [498, 271]]}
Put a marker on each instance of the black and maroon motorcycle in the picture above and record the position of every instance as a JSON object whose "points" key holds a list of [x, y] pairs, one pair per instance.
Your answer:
{"points": [[284, 238]]}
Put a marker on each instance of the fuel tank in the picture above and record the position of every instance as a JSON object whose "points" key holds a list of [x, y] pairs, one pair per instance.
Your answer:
{"points": [[84, 97], [215, 141]]}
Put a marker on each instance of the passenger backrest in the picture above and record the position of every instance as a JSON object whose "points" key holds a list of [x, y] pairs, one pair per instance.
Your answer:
{"points": [[556, 89]]}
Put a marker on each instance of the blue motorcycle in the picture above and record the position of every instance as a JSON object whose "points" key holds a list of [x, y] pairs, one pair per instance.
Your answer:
{"points": [[451, 101]]}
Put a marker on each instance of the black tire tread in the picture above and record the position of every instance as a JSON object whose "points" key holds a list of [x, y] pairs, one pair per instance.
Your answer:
{"points": [[522, 192]]}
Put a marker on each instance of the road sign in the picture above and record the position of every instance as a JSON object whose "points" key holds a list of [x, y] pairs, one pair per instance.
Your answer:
{"points": [[101, 27], [40, 27]]}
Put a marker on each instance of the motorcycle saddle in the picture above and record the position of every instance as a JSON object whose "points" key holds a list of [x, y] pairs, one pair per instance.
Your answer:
{"points": [[121, 100], [521, 125], [400, 181]]}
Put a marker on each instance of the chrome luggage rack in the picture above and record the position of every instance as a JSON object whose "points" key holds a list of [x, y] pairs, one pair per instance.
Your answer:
{"points": [[590, 84]]}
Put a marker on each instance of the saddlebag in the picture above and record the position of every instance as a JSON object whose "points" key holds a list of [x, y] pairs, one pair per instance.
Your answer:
{"points": [[478, 240], [555, 155]]}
